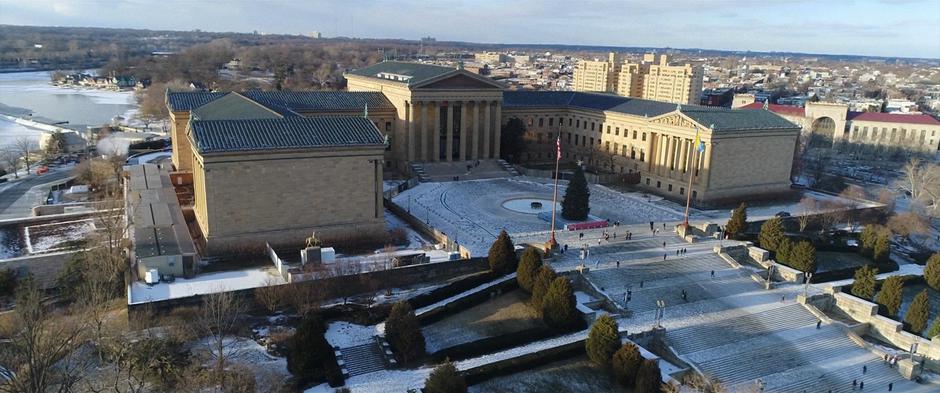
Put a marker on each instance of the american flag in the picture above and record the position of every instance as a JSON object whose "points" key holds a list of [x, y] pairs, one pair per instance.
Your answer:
{"points": [[558, 146]]}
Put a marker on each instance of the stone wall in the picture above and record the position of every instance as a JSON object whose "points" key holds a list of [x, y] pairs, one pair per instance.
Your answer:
{"points": [[886, 329], [44, 268]]}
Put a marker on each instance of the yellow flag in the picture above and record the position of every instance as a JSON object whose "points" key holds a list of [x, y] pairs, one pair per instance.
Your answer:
{"points": [[697, 140]]}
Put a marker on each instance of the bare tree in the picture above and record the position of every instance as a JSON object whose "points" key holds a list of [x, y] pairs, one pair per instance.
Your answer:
{"points": [[11, 160], [805, 211], [24, 146], [922, 181], [270, 295], [908, 224], [41, 349], [218, 317]]}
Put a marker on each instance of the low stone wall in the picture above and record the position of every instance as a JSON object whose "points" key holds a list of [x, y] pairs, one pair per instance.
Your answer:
{"points": [[44, 268], [886, 329], [425, 229]]}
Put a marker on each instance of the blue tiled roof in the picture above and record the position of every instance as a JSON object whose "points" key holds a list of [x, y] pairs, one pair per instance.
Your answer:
{"points": [[720, 118], [287, 103], [216, 136]]}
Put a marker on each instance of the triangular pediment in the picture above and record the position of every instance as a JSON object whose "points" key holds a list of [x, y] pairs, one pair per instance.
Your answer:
{"points": [[459, 80], [676, 119]]}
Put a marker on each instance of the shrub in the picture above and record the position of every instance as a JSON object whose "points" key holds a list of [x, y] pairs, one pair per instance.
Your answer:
{"points": [[865, 282], [7, 282], [502, 256], [445, 379], [404, 333], [771, 234], [602, 341], [528, 269], [918, 313], [803, 257], [626, 363], [882, 249], [784, 251], [890, 295], [540, 286], [575, 205], [932, 271], [648, 377], [738, 221], [934, 328], [558, 305], [310, 357]]}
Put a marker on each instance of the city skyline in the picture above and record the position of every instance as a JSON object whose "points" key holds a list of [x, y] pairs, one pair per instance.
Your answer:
{"points": [[845, 28]]}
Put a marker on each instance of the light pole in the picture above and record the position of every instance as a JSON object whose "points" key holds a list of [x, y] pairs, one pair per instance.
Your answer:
{"points": [[660, 310], [809, 276]]}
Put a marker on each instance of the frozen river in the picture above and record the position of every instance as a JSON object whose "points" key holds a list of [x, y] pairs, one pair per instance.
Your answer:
{"points": [[32, 91]]}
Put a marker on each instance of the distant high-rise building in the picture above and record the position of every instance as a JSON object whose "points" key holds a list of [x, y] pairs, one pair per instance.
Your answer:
{"points": [[315, 34], [491, 57], [597, 75], [652, 79]]}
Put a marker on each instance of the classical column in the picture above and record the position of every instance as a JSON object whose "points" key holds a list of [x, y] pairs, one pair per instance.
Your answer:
{"points": [[410, 126], [684, 160], [464, 124], [449, 149], [487, 129], [475, 146], [434, 118], [423, 115], [705, 173], [650, 143], [499, 128]]}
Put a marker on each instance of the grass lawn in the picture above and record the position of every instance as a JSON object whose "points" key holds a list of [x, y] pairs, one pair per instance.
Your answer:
{"points": [[507, 313], [829, 260], [573, 375]]}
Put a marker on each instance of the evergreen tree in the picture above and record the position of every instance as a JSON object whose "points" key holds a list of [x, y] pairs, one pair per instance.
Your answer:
{"points": [[574, 206], [404, 332], [648, 377], [932, 271], [882, 249], [934, 328], [803, 257], [310, 356], [528, 269], [918, 313], [626, 363], [502, 256], [771, 234], [865, 282], [890, 295], [738, 222], [603, 340], [540, 286], [558, 305], [445, 379], [784, 251]]}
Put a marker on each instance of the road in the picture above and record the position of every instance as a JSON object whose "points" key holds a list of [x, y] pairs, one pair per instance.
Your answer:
{"points": [[18, 198]]}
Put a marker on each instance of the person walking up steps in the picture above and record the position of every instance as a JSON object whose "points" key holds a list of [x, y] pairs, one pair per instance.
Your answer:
{"points": [[664, 255], [864, 367], [819, 324]]}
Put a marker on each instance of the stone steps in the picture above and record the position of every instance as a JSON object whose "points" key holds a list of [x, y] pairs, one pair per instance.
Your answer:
{"points": [[508, 167], [362, 359], [739, 325]]}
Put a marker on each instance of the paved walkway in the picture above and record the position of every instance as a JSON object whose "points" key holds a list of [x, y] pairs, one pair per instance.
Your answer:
{"points": [[19, 196]]}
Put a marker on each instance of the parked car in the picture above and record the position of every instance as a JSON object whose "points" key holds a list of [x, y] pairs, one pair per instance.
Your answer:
{"points": [[42, 169]]}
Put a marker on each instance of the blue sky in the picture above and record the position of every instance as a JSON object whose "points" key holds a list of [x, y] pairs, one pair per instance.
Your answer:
{"points": [[909, 28]]}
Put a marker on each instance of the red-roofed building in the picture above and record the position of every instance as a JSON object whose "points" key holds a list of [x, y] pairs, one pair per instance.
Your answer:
{"points": [[882, 130]]}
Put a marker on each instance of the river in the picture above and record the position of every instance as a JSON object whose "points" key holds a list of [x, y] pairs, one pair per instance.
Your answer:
{"points": [[33, 92]]}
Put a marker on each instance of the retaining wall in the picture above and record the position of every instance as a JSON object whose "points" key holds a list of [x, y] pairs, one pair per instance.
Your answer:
{"points": [[44, 268]]}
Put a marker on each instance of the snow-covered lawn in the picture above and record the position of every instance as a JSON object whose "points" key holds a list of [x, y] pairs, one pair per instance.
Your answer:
{"points": [[472, 212], [56, 236], [507, 313], [202, 284], [344, 334]]}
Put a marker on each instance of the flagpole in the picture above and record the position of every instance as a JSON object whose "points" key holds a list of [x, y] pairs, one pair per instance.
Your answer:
{"points": [[551, 242], [693, 167]]}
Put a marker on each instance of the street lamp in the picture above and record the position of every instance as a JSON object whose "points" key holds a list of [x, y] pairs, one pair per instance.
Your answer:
{"points": [[809, 276], [660, 310]]}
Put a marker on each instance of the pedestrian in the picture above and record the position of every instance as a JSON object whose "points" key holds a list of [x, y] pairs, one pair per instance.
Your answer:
{"points": [[783, 298], [819, 325], [641, 283], [713, 274], [615, 235], [664, 255], [854, 384], [598, 242], [651, 225], [566, 247], [861, 385], [618, 264], [890, 386], [677, 252], [664, 244], [864, 367], [664, 226]]}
